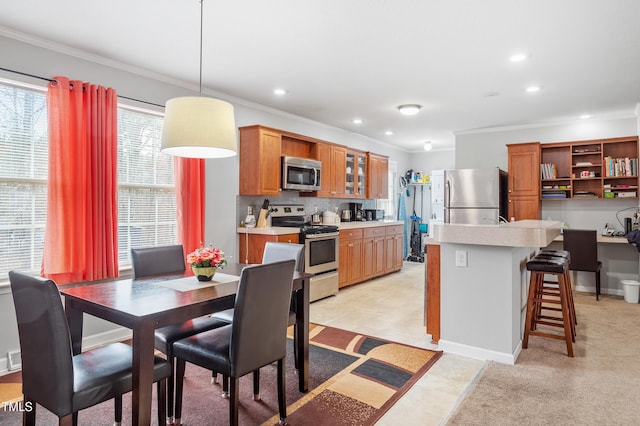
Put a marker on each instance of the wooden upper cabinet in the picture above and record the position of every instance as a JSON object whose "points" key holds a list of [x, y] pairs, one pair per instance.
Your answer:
{"points": [[378, 183], [332, 177], [356, 174], [524, 181], [524, 169], [260, 152]]}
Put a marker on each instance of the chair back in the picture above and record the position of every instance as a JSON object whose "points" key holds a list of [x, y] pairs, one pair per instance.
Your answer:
{"points": [[45, 343], [157, 260], [582, 244], [275, 252], [260, 317]]}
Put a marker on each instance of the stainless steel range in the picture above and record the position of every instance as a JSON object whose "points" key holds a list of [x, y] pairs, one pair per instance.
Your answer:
{"points": [[320, 248]]}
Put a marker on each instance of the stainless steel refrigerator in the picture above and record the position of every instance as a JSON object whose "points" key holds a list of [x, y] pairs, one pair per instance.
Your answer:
{"points": [[475, 196]]}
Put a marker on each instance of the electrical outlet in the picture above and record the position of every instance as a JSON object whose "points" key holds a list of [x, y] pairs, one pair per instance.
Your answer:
{"points": [[461, 258]]}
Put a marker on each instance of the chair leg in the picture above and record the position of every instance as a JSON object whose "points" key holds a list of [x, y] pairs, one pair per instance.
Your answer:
{"points": [[282, 403], [533, 280], [180, 367], [118, 409], [295, 345], [74, 417], [162, 401], [566, 318], [214, 377], [256, 385], [170, 389], [598, 285], [233, 401], [29, 413], [225, 386]]}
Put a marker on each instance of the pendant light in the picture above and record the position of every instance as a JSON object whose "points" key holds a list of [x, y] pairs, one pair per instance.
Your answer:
{"points": [[198, 126]]}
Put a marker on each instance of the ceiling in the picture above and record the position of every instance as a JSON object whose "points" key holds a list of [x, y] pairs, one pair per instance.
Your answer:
{"points": [[342, 59]]}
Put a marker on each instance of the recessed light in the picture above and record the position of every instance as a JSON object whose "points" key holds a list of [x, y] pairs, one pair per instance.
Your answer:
{"points": [[585, 116], [409, 109], [357, 121], [533, 89], [518, 57], [427, 146], [388, 133], [279, 92], [491, 94]]}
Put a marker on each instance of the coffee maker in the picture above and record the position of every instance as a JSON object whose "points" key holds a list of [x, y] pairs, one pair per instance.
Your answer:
{"points": [[356, 211]]}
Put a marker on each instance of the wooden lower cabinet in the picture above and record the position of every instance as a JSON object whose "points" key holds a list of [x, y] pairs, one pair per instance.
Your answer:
{"points": [[251, 246], [432, 301], [369, 252], [350, 257]]}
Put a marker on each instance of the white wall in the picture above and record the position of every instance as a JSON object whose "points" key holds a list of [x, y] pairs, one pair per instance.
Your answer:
{"points": [[222, 174]]}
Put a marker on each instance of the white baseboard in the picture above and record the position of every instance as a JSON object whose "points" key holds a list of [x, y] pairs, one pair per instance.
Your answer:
{"points": [[479, 353]]}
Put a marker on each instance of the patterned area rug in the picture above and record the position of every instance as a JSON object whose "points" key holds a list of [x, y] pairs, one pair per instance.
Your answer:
{"points": [[353, 380]]}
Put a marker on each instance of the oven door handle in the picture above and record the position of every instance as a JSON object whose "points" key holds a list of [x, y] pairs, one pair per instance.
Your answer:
{"points": [[324, 236]]}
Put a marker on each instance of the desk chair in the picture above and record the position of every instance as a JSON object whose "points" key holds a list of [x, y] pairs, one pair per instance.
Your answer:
{"points": [[256, 337], [275, 252], [583, 246], [164, 260], [56, 379]]}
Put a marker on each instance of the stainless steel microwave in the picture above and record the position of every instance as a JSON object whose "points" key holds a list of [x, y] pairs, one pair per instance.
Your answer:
{"points": [[300, 174]]}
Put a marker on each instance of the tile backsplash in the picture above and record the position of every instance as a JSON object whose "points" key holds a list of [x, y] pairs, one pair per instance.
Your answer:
{"points": [[309, 203]]}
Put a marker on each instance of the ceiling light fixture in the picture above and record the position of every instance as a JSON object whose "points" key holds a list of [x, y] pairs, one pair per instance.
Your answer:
{"points": [[427, 146], [518, 57], [357, 121], [198, 126], [279, 92], [388, 133], [585, 116], [409, 109], [533, 89]]}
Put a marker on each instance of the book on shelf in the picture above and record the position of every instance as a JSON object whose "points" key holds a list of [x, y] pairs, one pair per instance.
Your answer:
{"points": [[620, 166], [626, 194], [548, 171]]}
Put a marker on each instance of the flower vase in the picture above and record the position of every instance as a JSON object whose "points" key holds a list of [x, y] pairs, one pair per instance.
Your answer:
{"points": [[204, 273]]}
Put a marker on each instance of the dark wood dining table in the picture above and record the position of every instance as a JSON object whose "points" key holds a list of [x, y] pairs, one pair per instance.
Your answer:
{"points": [[146, 304]]}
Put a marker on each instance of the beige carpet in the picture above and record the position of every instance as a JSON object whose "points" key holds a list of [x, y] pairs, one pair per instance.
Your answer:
{"points": [[599, 386]]}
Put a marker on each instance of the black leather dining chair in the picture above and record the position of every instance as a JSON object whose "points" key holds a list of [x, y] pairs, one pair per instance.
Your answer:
{"points": [[163, 260], [256, 337], [275, 252], [56, 379], [582, 244]]}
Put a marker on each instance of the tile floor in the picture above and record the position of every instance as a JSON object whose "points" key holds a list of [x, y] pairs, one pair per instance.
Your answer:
{"points": [[392, 307]]}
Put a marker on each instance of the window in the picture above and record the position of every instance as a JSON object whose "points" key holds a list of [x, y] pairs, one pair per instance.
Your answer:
{"points": [[23, 177], [146, 193], [389, 204]]}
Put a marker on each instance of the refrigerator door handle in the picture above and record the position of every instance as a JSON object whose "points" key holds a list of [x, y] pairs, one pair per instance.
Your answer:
{"points": [[447, 203]]}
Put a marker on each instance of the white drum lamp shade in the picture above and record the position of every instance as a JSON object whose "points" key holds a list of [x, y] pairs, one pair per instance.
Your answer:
{"points": [[199, 127]]}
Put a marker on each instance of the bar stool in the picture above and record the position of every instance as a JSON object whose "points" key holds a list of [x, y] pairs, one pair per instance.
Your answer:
{"points": [[538, 299], [551, 286]]}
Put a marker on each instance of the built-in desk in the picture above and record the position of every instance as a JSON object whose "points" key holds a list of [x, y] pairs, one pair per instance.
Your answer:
{"points": [[603, 239]]}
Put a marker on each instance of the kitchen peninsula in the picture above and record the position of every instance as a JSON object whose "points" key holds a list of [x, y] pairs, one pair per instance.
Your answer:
{"points": [[481, 282]]}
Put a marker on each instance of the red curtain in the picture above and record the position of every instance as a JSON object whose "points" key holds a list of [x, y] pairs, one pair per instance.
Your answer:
{"points": [[81, 240], [189, 175]]}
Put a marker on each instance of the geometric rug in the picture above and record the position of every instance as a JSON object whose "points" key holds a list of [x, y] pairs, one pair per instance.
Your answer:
{"points": [[353, 380]]}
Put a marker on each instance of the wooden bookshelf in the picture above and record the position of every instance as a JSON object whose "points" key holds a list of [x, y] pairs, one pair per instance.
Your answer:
{"points": [[594, 169]]}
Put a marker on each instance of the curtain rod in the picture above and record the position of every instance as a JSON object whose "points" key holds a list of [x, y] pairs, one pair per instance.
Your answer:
{"points": [[53, 80]]}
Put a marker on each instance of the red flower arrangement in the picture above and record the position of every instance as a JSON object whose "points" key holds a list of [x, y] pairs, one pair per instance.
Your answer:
{"points": [[206, 257]]}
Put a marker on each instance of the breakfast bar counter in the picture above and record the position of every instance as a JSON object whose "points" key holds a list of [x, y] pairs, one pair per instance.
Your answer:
{"points": [[482, 285]]}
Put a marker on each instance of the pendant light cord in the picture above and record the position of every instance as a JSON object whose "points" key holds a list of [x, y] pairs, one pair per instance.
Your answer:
{"points": [[201, 25]]}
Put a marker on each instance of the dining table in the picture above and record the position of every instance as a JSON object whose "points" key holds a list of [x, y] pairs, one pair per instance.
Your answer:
{"points": [[145, 304]]}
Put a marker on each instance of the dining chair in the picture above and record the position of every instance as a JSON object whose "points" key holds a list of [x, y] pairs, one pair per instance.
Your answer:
{"points": [[582, 244], [275, 252], [163, 260], [256, 337], [56, 379]]}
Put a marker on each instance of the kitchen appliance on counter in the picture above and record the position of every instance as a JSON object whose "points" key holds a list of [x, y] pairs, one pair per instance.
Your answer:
{"points": [[356, 211], [475, 196], [374, 214], [346, 215], [320, 248], [301, 174], [330, 218]]}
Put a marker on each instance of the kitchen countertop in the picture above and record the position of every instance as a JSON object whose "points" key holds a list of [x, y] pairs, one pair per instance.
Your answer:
{"points": [[276, 230], [523, 233]]}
